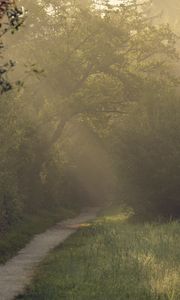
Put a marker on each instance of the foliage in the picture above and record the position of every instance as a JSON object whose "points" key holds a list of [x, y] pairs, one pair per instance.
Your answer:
{"points": [[11, 18], [98, 61], [148, 151], [10, 136]]}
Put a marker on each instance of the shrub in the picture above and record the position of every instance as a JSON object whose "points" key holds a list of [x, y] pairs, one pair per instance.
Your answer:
{"points": [[148, 153]]}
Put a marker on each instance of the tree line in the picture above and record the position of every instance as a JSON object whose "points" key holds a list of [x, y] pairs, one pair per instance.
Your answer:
{"points": [[107, 68]]}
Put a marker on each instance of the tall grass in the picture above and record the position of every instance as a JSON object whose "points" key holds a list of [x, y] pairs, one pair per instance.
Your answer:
{"points": [[113, 259], [18, 235]]}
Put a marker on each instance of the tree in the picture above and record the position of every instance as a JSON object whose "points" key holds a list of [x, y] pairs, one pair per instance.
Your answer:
{"points": [[146, 151], [97, 60], [11, 18]]}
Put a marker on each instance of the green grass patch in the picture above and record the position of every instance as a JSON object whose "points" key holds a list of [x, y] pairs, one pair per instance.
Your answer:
{"points": [[18, 235], [112, 259]]}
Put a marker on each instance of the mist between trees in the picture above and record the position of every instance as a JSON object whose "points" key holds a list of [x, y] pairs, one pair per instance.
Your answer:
{"points": [[89, 108]]}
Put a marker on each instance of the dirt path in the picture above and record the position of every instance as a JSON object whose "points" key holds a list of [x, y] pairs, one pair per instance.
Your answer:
{"points": [[16, 274]]}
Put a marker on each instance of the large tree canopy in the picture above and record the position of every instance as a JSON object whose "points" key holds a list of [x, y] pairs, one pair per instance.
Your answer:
{"points": [[99, 59], [85, 65]]}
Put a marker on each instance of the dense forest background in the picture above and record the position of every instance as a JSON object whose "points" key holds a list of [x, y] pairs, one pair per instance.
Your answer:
{"points": [[89, 113]]}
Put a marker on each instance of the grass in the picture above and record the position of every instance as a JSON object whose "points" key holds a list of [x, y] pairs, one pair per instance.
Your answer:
{"points": [[112, 259], [18, 235]]}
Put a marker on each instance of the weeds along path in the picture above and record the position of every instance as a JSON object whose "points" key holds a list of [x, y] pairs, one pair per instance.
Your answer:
{"points": [[16, 274]]}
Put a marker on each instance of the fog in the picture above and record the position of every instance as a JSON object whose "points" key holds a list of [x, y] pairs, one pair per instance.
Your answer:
{"points": [[84, 106]]}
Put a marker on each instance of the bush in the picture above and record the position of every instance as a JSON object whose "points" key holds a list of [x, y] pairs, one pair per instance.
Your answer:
{"points": [[148, 153]]}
